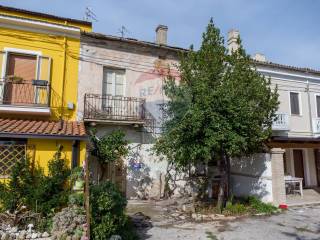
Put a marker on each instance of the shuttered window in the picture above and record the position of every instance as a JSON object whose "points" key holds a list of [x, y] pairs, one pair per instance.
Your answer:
{"points": [[294, 103], [318, 106], [22, 66]]}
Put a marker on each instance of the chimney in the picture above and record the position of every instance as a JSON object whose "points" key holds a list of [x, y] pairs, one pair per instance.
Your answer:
{"points": [[161, 34], [259, 57], [233, 35]]}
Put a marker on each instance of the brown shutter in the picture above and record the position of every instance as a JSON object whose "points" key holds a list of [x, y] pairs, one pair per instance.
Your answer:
{"points": [[23, 66], [20, 91]]}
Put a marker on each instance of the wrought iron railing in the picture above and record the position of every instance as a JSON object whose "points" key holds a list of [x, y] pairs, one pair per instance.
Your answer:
{"points": [[19, 92], [281, 122], [117, 108]]}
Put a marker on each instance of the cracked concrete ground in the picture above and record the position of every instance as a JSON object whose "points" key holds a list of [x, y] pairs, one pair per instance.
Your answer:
{"points": [[300, 223]]}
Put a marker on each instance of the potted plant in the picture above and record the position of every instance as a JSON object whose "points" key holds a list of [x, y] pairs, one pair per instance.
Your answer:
{"points": [[77, 178]]}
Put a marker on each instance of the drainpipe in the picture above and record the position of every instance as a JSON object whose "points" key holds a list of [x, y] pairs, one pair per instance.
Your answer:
{"points": [[309, 106], [64, 73], [75, 154]]}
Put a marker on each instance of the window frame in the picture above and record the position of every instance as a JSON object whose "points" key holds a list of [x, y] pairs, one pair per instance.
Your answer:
{"points": [[316, 106], [114, 71], [299, 103], [6, 53]]}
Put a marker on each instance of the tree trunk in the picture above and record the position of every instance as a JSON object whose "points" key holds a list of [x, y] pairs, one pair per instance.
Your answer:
{"points": [[222, 185], [228, 182]]}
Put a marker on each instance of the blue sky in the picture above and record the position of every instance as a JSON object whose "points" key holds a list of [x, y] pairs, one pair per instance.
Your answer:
{"points": [[286, 31]]}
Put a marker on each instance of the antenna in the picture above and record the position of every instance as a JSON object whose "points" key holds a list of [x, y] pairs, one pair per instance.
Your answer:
{"points": [[123, 31], [89, 15]]}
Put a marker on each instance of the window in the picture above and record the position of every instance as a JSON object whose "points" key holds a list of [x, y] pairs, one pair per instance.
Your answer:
{"points": [[22, 66], [318, 105], [113, 82], [294, 103], [20, 71]]}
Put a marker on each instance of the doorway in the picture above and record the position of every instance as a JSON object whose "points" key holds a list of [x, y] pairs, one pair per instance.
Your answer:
{"points": [[317, 162], [298, 164]]}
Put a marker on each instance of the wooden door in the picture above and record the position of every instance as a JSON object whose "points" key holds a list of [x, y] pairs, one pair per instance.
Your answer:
{"points": [[21, 70], [317, 161], [298, 164]]}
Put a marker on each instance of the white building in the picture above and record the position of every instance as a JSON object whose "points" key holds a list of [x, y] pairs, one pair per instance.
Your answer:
{"points": [[294, 146]]}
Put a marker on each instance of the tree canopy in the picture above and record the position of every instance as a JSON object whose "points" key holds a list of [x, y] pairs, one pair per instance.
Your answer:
{"points": [[220, 105]]}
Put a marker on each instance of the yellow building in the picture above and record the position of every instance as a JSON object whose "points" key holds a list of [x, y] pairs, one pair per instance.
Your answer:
{"points": [[39, 59]]}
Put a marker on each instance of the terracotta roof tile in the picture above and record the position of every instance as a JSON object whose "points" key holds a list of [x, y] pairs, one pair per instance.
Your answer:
{"points": [[42, 128]]}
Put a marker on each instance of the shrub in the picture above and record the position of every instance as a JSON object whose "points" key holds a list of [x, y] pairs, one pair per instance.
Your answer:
{"points": [[110, 148], [50, 191], [18, 190], [258, 206], [235, 209], [76, 199], [30, 187], [108, 212]]}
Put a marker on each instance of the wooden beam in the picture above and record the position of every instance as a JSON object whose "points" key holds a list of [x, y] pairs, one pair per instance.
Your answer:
{"points": [[87, 195]]}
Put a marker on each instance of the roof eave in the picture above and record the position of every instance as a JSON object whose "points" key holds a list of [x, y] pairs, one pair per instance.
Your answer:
{"points": [[44, 136]]}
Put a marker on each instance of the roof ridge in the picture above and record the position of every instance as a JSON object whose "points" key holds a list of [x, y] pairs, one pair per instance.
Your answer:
{"points": [[41, 14]]}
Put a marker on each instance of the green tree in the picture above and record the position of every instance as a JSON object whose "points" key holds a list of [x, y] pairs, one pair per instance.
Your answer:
{"points": [[109, 148], [221, 108]]}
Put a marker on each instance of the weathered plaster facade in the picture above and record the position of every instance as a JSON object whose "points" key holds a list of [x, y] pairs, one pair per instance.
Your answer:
{"points": [[144, 66]]}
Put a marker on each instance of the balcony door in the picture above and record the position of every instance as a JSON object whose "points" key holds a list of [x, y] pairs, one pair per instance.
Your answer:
{"points": [[21, 70], [113, 91]]}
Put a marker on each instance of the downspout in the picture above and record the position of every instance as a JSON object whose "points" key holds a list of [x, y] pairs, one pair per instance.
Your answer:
{"points": [[64, 73], [309, 106], [75, 154]]}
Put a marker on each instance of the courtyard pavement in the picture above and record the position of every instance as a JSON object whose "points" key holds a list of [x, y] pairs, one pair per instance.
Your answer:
{"points": [[297, 223]]}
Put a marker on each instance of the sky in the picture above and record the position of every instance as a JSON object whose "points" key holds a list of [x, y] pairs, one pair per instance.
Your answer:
{"points": [[285, 31]]}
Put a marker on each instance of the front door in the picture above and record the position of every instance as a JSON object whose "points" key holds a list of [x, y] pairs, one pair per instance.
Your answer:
{"points": [[317, 160], [298, 164]]}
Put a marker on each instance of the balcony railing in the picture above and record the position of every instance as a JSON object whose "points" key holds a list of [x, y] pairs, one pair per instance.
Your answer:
{"points": [[117, 108], [19, 92], [281, 122]]}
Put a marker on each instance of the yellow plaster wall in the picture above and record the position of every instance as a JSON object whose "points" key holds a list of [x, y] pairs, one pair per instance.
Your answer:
{"points": [[45, 150], [51, 46]]}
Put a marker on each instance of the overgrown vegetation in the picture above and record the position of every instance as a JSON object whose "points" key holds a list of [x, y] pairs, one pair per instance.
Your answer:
{"points": [[220, 109], [108, 212], [238, 207], [29, 186], [110, 147], [32, 196], [250, 205], [107, 202]]}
